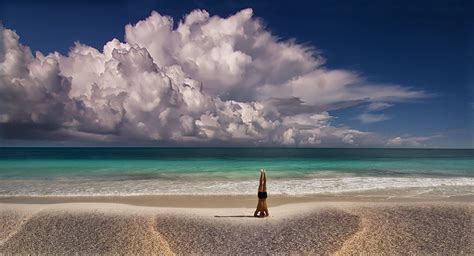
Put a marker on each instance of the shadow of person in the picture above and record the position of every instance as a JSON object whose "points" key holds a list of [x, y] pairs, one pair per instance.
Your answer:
{"points": [[234, 216]]}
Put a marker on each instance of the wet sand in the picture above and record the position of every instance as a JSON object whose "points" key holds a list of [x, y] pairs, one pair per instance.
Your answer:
{"points": [[341, 227], [242, 201]]}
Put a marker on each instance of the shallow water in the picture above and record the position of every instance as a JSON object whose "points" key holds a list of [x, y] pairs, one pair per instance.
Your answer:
{"points": [[131, 171]]}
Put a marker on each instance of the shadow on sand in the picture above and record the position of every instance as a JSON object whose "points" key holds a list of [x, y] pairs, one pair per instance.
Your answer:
{"points": [[235, 216]]}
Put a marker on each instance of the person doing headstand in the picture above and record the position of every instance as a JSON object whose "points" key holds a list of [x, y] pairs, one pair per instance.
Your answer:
{"points": [[262, 208]]}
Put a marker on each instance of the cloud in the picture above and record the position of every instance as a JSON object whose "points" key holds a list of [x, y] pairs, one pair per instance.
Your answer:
{"points": [[207, 80], [237, 58], [368, 118], [377, 106], [407, 141]]}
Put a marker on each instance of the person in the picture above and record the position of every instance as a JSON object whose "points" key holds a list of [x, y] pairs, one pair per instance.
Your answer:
{"points": [[262, 208]]}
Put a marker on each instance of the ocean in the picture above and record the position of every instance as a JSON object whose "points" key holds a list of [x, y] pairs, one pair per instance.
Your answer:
{"points": [[232, 171]]}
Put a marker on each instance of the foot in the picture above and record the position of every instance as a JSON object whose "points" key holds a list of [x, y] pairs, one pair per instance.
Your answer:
{"points": [[262, 170]]}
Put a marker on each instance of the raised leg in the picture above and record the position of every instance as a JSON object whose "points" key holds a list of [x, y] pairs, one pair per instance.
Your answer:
{"points": [[264, 181], [261, 183]]}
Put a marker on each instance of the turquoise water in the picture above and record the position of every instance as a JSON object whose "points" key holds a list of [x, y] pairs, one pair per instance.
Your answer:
{"points": [[123, 171]]}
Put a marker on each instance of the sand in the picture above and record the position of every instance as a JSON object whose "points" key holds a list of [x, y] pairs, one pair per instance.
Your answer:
{"points": [[313, 227]]}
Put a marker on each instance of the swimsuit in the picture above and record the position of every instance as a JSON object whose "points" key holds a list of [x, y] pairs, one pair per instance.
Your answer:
{"points": [[262, 195]]}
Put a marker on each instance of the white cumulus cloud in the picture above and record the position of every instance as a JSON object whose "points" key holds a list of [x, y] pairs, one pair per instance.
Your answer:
{"points": [[207, 79]]}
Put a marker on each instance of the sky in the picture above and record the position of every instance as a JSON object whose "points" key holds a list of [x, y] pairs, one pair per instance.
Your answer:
{"points": [[243, 73]]}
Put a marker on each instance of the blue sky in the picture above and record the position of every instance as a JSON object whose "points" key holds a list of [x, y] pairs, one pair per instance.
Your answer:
{"points": [[422, 45]]}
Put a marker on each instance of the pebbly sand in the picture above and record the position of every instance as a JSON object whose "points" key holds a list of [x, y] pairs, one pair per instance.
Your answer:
{"points": [[299, 227]]}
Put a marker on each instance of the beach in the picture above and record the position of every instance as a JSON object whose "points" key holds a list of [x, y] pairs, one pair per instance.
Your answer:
{"points": [[236, 128], [219, 225], [200, 201]]}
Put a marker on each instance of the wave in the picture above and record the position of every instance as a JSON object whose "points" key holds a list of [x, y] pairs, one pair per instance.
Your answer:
{"points": [[303, 186]]}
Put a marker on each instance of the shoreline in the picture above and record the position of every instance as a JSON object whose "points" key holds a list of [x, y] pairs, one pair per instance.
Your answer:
{"points": [[235, 201]]}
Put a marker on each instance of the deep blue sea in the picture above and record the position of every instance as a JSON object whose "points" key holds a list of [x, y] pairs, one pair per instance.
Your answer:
{"points": [[291, 171]]}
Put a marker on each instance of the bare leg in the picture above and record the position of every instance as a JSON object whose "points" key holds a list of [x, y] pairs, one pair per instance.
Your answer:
{"points": [[261, 183], [264, 181]]}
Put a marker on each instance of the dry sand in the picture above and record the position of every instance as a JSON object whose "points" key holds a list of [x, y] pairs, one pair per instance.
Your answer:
{"points": [[343, 228]]}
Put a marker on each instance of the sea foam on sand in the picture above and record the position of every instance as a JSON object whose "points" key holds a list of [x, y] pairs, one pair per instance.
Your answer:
{"points": [[334, 185]]}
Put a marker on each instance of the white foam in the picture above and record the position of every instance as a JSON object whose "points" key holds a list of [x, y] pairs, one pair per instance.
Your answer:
{"points": [[227, 187]]}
